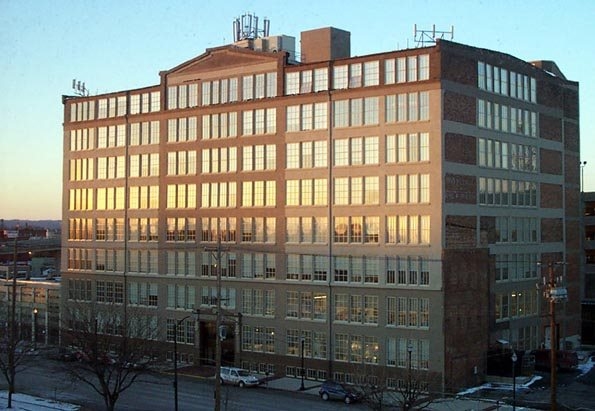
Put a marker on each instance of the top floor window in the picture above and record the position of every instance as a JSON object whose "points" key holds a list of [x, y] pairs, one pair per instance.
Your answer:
{"points": [[407, 69]]}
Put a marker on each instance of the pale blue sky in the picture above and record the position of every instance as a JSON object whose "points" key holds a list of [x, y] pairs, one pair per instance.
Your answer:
{"points": [[117, 45]]}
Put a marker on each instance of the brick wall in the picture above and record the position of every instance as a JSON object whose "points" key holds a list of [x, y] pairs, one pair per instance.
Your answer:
{"points": [[460, 231], [460, 148], [551, 230], [551, 161], [551, 195]]}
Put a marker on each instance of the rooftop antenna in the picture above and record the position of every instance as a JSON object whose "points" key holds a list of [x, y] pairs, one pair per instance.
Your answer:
{"points": [[246, 27], [79, 88], [423, 37]]}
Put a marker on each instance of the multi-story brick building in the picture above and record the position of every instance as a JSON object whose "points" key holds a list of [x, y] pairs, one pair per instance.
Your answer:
{"points": [[374, 212]]}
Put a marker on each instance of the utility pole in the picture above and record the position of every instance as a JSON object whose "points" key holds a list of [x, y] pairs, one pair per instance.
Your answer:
{"points": [[217, 250], [554, 292], [13, 324]]}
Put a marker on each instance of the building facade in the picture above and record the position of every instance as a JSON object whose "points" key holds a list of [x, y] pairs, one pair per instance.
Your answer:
{"points": [[367, 214], [588, 298]]}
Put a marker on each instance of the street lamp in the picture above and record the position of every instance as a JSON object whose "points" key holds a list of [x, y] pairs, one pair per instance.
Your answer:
{"points": [[513, 358], [409, 391], [302, 388], [34, 329], [176, 325]]}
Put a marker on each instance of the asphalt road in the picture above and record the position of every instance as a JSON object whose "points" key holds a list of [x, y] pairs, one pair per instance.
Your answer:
{"points": [[153, 392]]}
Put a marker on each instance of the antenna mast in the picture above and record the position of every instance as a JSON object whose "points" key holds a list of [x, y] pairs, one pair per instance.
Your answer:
{"points": [[423, 37], [79, 88], [246, 27]]}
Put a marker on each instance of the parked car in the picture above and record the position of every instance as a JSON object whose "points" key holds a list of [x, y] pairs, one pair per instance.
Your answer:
{"points": [[238, 376], [565, 360], [339, 391]]}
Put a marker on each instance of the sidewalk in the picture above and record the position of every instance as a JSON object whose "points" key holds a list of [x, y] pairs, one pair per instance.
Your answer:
{"points": [[272, 382]]}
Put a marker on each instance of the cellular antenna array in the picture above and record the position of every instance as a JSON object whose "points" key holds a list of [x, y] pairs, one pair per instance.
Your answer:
{"points": [[79, 88], [246, 28], [423, 37]]}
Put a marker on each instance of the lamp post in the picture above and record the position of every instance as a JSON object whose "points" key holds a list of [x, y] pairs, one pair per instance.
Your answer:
{"points": [[582, 165], [513, 358], [302, 388], [409, 393], [176, 325], [34, 329]]}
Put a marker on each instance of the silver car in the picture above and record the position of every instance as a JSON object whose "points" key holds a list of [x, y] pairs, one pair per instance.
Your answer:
{"points": [[238, 376]]}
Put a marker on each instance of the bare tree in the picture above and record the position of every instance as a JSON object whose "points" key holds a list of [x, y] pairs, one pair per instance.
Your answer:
{"points": [[384, 388], [14, 354], [113, 348]]}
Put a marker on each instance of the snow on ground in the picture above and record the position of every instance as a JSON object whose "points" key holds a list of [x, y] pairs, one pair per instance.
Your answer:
{"points": [[583, 368], [23, 402]]}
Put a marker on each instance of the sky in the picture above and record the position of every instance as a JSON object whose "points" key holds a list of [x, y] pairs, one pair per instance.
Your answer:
{"points": [[115, 45]]}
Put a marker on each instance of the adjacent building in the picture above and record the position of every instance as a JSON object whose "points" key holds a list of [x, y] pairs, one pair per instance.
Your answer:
{"points": [[368, 213]]}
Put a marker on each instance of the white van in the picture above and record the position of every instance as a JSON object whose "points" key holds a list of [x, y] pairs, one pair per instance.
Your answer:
{"points": [[238, 376]]}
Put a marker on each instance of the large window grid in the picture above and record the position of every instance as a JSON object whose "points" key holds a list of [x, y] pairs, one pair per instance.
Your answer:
{"points": [[356, 270], [181, 163], [219, 160], [356, 112], [501, 154], [213, 228], [356, 75], [80, 199], [141, 165], [507, 193], [182, 96], [407, 69], [110, 198], [143, 294], [506, 118], [307, 117], [82, 111], [82, 169], [259, 157], [80, 229], [219, 125], [143, 261], [407, 107], [517, 230], [82, 139], [356, 230], [258, 265], [181, 229], [209, 297], [260, 121], [111, 136], [307, 230], [306, 81], [258, 302], [211, 267], [259, 193], [408, 271], [143, 229], [517, 304], [397, 353], [145, 102], [356, 190], [109, 229], [356, 151], [408, 312], [219, 91], [181, 263], [307, 154], [258, 230], [181, 196], [307, 267], [144, 133], [516, 267], [219, 195], [499, 80], [181, 129], [306, 192], [408, 189], [408, 229], [408, 148]]}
